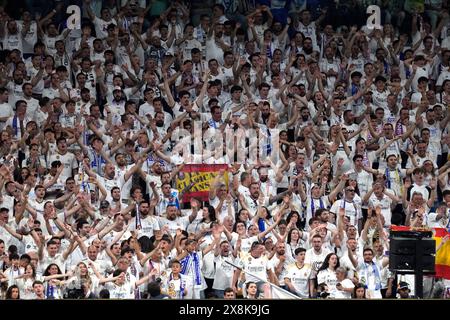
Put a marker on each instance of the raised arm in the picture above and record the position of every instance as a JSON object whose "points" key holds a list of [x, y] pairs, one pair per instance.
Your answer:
{"points": [[386, 145], [261, 235], [134, 168]]}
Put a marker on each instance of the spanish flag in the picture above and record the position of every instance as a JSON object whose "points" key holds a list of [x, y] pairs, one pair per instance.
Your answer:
{"points": [[443, 254], [197, 179]]}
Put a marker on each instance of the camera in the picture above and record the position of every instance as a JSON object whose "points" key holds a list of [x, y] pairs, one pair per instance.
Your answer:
{"points": [[322, 291]]}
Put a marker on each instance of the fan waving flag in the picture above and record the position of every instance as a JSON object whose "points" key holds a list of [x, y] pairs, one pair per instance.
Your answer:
{"points": [[197, 179], [443, 253]]}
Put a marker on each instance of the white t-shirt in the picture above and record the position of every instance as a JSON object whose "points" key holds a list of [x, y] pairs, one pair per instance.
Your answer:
{"points": [[47, 260], [174, 288], [12, 41], [256, 266], [125, 291], [300, 278], [148, 225], [273, 263], [30, 38], [111, 183], [224, 272], [223, 211], [315, 260], [174, 225], [441, 223], [101, 27], [246, 244], [69, 162], [341, 294], [370, 275], [352, 210], [385, 204], [328, 277], [32, 104]]}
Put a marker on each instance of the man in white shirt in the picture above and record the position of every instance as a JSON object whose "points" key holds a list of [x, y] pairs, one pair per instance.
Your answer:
{"points": [[19, 120], [440, 218], [298, 277], [66, 158], [144, 224], [175, 222], [256, 263], [32, 104], [215, 45], [316, 255], [352, 209], [50, 256], [369, 271]]}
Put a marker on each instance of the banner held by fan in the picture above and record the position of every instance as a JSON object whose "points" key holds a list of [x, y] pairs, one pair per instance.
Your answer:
{"points": [[197, 178]]}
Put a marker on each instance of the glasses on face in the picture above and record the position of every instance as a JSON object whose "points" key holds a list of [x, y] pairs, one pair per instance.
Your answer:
{"points": [[350, 190]]}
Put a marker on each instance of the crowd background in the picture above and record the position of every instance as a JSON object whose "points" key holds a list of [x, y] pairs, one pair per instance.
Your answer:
{"points": [[90, 125]]}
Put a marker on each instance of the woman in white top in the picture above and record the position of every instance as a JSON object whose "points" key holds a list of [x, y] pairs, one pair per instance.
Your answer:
{"points": [[295, 239], [53, 287], [80, 279], [327, 273], [25, 282]]}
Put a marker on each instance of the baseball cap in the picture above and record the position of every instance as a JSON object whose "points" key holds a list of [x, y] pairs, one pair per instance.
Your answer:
{"points": [[403, 285]]}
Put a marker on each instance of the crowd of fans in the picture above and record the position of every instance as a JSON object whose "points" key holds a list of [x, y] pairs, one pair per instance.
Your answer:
{"points": [[330, 133]]}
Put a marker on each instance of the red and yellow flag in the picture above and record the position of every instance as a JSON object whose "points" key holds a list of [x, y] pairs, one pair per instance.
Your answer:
{"points": [[443, 254], [200, 176]]}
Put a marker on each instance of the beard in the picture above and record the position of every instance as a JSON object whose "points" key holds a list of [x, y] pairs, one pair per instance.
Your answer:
{"points": [[160, 123]]}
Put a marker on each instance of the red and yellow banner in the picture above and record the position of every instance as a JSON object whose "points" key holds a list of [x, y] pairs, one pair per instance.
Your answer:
{"points": [[443, 254], [200, 176]]}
